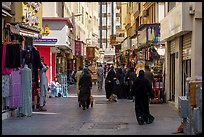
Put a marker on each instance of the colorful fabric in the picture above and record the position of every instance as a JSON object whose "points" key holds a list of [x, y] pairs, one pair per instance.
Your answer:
{"points": [[15, 95]]}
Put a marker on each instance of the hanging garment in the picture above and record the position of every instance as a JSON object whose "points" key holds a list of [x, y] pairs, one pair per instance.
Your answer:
{"points": [[4, 69], [5, 88], [26, 86], [15, 96], [36, 64], [13, 56]]}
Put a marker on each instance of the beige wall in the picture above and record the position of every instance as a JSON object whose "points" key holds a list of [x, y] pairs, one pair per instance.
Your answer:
{"points": [[51, 7], [196, 43], [169, 29]]}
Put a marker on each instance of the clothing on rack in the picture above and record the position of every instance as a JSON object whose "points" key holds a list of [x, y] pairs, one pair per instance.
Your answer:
{"points": [[36, 64], [5, 88], [12, 56], [4, 69], [26, 80], [15, 96]]}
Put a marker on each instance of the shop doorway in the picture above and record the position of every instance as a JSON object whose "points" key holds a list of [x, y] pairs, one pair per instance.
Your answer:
{"points": [[172, 78], [186, 72]]}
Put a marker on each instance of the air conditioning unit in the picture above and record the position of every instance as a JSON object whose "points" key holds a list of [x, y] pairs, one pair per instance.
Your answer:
{"points": [[144, 13]]}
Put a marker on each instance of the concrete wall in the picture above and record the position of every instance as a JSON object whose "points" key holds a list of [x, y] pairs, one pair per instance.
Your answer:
{"points": [[176, 22], [178, 70], [175, 29], [196, 43], [51, 7]]}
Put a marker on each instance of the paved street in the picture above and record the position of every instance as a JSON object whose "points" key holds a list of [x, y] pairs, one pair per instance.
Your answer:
{"points": [[64, 117]]}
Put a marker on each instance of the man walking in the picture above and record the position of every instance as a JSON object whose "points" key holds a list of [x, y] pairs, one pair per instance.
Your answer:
{"points": [[43, 85], [77, 77], [100, 73]]}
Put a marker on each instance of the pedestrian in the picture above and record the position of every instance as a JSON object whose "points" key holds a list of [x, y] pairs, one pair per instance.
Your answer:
{"points": [[149, 75], [43, 85], [54, 87], [120, 84], [100, 73], [130, 77], [142, 90], [104, 69], [77, 77], [110, 84], [85, 85]]}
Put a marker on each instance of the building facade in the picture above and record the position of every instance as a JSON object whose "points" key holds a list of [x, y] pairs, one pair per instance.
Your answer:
{"points": [[55, 45], [183, 46], [107, 28]]}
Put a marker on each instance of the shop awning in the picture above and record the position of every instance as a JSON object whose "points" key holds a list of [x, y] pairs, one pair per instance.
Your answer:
{"points": [[18, 29], [5, 13]]}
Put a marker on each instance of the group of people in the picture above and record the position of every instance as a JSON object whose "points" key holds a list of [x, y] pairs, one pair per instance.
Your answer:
{"points": [[120, 83], [123, 84]]}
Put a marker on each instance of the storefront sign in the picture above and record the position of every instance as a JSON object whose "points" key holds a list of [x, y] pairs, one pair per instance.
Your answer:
{"points": [[78, 48], [90, 52], [153, 33], [45, 40]]}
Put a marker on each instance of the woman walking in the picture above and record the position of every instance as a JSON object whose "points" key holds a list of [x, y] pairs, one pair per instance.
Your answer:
{"points": [[85, 85], [142, 90]]}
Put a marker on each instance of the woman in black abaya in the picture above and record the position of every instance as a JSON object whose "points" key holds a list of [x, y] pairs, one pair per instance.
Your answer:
{"points": [[142, 90]]}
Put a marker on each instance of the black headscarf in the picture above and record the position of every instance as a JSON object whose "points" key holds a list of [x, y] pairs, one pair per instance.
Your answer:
{"points": [[141, 74]]}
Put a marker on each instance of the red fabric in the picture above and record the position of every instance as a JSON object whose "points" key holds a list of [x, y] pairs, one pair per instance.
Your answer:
{"points": [[4, 69], [35, 91]]}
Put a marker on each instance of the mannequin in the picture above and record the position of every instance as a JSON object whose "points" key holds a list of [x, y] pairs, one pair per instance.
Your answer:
{"points": [[26, 86]]}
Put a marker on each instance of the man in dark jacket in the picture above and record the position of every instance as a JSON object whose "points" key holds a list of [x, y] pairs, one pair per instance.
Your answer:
{"points": [[142, 90], [85, 85]]}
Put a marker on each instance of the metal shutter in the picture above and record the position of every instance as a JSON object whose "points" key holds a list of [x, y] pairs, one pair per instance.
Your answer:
{"points": [[186, 53], [172, 46]]}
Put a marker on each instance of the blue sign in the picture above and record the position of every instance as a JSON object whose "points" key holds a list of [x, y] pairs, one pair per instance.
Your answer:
{"points": [[45, 40]]}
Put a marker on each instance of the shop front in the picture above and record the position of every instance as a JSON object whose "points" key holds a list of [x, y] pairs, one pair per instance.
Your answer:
{"points": [[54, 45], [20, 55]]}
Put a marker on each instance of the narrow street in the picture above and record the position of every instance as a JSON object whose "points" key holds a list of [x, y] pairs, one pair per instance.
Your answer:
{"points": [[64, 117]]}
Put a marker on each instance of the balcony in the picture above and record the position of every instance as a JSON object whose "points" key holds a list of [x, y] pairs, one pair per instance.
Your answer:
{"points": [[177, 22]]}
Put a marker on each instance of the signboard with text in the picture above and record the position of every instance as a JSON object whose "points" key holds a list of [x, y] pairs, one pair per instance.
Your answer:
{"points": [[45, 40], [78, 48]]}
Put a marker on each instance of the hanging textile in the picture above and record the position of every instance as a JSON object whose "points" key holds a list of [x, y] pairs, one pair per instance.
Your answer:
{"points": [[15, 96], [13, 55], [36, 64], [5, 88], [4, 69], [26, 80]]}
